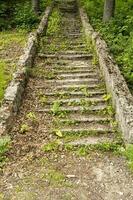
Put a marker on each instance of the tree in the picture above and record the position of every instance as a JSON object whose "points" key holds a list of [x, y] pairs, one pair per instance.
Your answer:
{"points": [[109, 9], [36, 6]]}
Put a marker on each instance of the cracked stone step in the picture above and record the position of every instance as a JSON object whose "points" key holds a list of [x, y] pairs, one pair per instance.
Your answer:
{"points": [[97, 108], [71, 100], [90, 130], [74, 81], [66, 57], [73, 46], [75, 71], [74, 87], [67, 52], [71, 64], [93, 140], [72, 69], [76, 75], [86, 118], [71, 35], [98, 94]]}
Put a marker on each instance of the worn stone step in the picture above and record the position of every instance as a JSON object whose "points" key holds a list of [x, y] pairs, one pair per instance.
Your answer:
{"points": [[70, 63], [86, 118], [66, 57], [97, 108], [98, 93], [68, 52], [74, 81], [77, 101], [76, 87], [94, 129], [93, 141], [76, 75], [75, 71], [79, 46]]}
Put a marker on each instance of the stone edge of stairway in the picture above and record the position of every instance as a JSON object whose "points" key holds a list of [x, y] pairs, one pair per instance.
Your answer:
{"points": [[116, 85], [14, 92]]}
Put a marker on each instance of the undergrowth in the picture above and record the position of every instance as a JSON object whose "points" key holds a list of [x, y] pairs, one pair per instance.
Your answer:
{"points": [[118, 33]]}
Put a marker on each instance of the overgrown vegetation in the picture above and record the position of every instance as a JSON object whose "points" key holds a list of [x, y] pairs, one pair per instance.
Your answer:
{"points": [[4, 147], [19, 14], [16, 20], [118, 33]]}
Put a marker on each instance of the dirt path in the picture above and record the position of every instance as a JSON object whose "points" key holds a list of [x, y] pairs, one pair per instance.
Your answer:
{"points": [[65, 137]]}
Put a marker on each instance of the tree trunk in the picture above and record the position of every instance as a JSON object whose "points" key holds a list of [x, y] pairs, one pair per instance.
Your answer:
{"points": [[36, 6], [109, 9]]}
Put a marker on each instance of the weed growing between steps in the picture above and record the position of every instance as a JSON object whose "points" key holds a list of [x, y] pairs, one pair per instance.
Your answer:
{"points": [[81, 150]]}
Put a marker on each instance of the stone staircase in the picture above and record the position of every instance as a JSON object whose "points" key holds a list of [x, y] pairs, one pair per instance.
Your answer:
{"points": [[76, 94]]}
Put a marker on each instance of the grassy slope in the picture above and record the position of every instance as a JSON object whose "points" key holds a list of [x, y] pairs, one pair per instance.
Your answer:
{"points": [[118, 33], [12, 41], [11, 45]]}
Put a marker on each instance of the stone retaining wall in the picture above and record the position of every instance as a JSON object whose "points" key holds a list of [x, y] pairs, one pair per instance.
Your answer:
{"points": [[115, 82], [14, 92]]}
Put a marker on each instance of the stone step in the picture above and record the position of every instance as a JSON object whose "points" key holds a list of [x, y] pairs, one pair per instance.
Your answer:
{"points": [[80, 46], [86, 118], [77, 101], [98, 94], [66, 57], [87, 130], [97, 108], [73, 81], [75, 71], [69, 52], [93, 141], [76, 87], [76, 75], [71, 64]]}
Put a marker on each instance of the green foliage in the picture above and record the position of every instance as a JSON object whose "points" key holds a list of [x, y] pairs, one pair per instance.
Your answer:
{"points": [[128, 153], [51, 146], [31, 116], [19, 14], [24, 128], [54, 177], [54, 23], [56, 108], [118, 33], [4, 147], [24, 17], [5, 77]]}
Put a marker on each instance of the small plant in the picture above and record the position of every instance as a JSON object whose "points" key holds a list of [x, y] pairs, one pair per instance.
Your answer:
{"points": [[52, 146], [85, 91], [109, 110], [31, 116], [58, 133], [107, 97], [54, 177], [24, 128], [82, 151], [43, 100], [56, 108], [4, 147], [128, 153], [50, 75]]}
